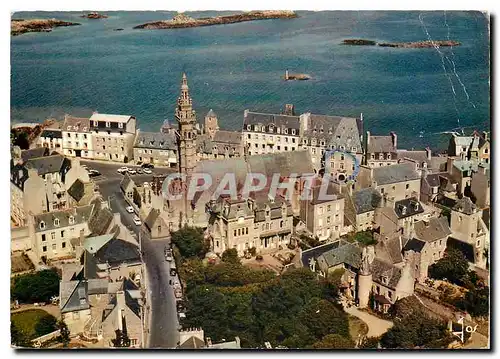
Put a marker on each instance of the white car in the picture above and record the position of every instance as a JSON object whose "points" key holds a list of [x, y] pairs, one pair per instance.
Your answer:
{"points": [[147, 171], [132, 171], [130, 209], [137, 221], [122, 170]]}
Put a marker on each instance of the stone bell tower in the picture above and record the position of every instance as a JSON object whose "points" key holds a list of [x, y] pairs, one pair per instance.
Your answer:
{"points": [[186, 117]]}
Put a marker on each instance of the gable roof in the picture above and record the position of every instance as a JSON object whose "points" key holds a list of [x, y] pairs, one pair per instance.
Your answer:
{"points": [[432, 230], [49, 164], [380, 144], [277, 120], [49, 219], [408, 207], [230, 137], [192, 343], [395, 173], [347, 253], [94, 244], [34, 153], [465, 206], [156, 140], [151, 218], [366, 200], [415, 245], [336, 131], [77, 190], [101, 218], [73, 296], [18, 175], [76, 124], [390, 249], [315, 252], [381, 269], [126, 182]]}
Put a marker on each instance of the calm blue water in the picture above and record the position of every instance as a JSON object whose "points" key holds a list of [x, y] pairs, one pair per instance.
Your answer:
{"points": [[233, 67]]}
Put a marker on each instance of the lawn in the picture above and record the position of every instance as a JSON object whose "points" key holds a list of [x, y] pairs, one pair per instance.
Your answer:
{"points": [[357, 327], [27, 320]]}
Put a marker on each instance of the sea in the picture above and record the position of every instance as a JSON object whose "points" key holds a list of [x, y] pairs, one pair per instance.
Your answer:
{"points": [[418, 93]]}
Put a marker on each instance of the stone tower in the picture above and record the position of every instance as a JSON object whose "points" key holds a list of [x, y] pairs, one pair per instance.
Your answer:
{"points": [[365, 278], [186, 117], [211, 123]]}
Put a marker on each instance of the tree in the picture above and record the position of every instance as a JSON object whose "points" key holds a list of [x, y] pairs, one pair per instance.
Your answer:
{"points": [[45, 325], [190, 242], [36, 287], [334, 341], [231, 256], [476, 301], [453, 266], [63, 328], [370, 343], [18, 338], [121, 340]]}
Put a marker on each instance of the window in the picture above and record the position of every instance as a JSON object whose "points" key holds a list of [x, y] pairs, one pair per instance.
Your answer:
{"points": [[478, 244], [328, 220], [286, 131], [43, 238], [63, 245], [62, 234], [235, 232], [44, 248], [42, 225], [54, 247], [382, 190], [293, 131], [120, 124], [249, 136], [56, 222], [53, 235], [108, 124], [407, 186], [342, 157], [71, 220], [329, 208]]}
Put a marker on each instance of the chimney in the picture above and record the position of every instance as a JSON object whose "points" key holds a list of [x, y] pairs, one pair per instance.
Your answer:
{"points": [[485, 135], [394, 140], [428, 152], [367, 137], [120, 299]]}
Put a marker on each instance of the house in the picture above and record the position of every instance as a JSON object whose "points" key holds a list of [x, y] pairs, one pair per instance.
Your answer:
{"points": [[194, 339], [360, 208], [380, 150], [428, 243], [54, 232], [77, 137], [156, 148], [259, 222], [394, 183], [433, 184], [74, 305], [323, 213], [124, 313], [27, 194], [156, 225], [398, 218], [468, 227], [113, 137], [127, 185], [481, 186], [81, 193], [52, 139], [475, 147], [365, 276], [26, 155]]}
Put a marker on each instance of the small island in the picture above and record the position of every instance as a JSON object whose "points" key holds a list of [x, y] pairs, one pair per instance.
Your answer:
{"points": [[184, 21], [359, 42], [21, 26], [119, 29], [295, 77], [406, 45], [94, 15]]}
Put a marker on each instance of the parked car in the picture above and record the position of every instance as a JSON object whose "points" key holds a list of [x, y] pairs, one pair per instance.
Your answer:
{"points": [[137, 221], [168, 255], [147, 171], [130, 209], [147, 165], [132, 171], [94, 173], [122, 170], [139, 171]]}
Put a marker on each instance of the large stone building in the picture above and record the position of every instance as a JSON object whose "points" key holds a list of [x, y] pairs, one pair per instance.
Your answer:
{"points": [[77, 137], [156, 148], [380, 150], [334, 142], [113, 137], [360, 208]]}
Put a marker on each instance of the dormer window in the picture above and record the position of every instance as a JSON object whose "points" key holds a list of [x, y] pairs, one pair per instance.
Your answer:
{"points": [[120, 124], [94, 123], [56, 222], [293, 131], [263, 129], [286, 131], [249, 127], [385, 279], [322, 143], [278, 130], [403, 210], [71, 220], [42, 225], [108, 124]]}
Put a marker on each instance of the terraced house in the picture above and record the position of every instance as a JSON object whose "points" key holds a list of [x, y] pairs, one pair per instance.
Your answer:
{"points": [[113, 137], [334, 142], [156, 147], [77, 137]]}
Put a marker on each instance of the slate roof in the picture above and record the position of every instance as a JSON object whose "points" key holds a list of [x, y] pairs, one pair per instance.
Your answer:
{"points": [[315, 252], [433, 180], [347, 253], [126, 181], [73, 296], [192, 343], [283, 163], [51, 133], [101, 219], [18, 175], [467, 249], [76, 124], [156, 140], [77, 190], [433, 230], [79, 214], [94, 244], [266, 119], [366, 200], [117, 251], [395, 173], [415, 245], [34, 153], [412, 206], [230, 137], [380, 144], [330, 192], [390, 250], [211, 113], [151, 219], [465, 206], [382, 269], [336, 131], [50, 164]]}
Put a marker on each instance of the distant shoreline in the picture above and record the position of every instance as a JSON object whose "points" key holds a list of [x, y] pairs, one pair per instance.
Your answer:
{"points": [[22, 26], [406, 45], [184, 21]]}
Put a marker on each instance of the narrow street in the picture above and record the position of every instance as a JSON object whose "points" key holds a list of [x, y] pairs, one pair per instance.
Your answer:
{"points": [[161, 311], [376, 326]]}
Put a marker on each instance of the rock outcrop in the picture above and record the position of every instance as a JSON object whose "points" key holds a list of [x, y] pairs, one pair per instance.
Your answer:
{"points": [[184, 21], [94, 15], [21, 26], [406, 45]]}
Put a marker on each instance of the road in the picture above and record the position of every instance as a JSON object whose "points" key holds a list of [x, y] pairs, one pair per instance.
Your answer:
{"points": [[162, 313], [376, 326]]}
